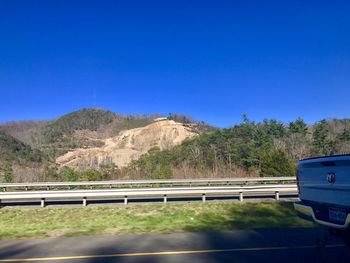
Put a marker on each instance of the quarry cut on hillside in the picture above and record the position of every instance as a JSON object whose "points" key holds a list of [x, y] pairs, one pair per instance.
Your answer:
{"points": [[129, 145]]}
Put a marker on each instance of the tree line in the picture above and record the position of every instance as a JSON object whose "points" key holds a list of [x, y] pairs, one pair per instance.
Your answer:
{"points": [[267, 148]]}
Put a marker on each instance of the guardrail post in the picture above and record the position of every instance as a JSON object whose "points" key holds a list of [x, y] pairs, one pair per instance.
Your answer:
{"points": [[84, 201], [203, 198], [165, 199], [125, 200], [277, 195], [42, 202], [240, 196]]}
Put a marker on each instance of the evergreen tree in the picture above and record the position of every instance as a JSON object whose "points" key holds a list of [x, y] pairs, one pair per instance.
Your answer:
{"points": [[298, 126], [322, 144], [67, 174], [277, 163], [274, 128]]}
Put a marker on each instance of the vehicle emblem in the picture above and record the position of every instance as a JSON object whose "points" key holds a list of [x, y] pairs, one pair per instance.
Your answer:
{"points": [[331, 178]]}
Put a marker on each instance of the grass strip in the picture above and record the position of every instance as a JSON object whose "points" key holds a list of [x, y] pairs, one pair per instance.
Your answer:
{"points": [[145, 218]]}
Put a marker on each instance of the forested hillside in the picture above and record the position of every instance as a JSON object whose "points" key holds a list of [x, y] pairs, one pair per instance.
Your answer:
{"points": [[84, 119], [18, 158], [28, 149], [59, 136], [269, 148], [25, 131]]}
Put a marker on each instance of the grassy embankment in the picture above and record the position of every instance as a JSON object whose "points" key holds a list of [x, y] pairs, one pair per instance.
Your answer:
{"points": [[142, 218]]}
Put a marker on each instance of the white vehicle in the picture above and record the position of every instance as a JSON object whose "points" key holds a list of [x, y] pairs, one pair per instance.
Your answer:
{"points": [[324, 191]]}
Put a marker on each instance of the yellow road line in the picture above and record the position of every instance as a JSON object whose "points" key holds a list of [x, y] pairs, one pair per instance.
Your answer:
{"points": [[160, 253]]}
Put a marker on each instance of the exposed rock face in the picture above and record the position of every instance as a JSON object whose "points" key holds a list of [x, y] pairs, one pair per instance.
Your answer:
{"points": [[129, 145]]}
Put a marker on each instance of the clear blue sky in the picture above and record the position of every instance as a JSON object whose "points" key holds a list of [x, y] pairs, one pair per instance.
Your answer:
{"points": [[214, 60]]}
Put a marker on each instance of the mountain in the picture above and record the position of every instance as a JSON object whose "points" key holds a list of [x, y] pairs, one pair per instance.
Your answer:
{"points": [[84, 119], [129, 145], [88, 138], [84, 128]]}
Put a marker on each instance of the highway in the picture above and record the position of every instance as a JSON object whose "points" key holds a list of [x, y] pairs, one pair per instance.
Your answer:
{"points": [[297, 245]]}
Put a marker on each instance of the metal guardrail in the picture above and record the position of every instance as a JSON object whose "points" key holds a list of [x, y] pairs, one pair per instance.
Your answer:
{"points": [[147, 193], [111, 184]]}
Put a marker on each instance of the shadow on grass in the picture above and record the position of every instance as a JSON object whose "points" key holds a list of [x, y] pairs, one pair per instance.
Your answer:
{"points": [[257, 215], [274, 225]]}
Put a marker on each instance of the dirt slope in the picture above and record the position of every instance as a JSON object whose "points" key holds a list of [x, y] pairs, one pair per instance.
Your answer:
{"points": [[129, 145]]}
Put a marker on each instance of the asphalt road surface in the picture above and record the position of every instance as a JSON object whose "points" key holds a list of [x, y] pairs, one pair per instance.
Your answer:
{"points": [[297, 245]]}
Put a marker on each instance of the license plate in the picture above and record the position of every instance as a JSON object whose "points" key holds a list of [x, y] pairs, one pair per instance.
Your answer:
{"points": [[337, 215]]}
